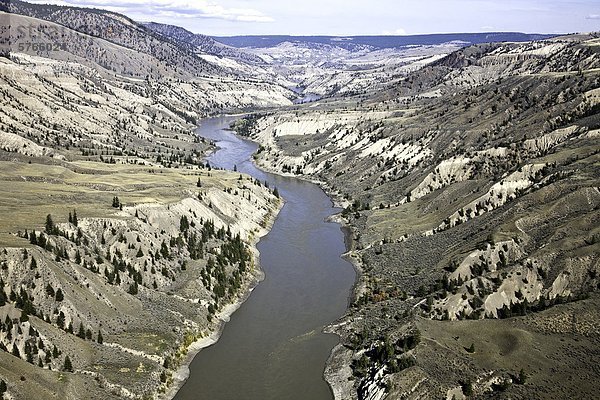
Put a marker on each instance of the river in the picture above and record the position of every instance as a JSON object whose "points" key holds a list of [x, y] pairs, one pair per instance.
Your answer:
{"points": [[273, 346]]}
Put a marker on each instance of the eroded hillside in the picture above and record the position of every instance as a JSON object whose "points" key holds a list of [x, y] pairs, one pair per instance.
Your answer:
{"points": [[118, 246], [471, 187], [469, 179]]}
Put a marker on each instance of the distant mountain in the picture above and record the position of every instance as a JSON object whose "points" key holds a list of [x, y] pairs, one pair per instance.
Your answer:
{"points": [[200, 43], [381, 42]]}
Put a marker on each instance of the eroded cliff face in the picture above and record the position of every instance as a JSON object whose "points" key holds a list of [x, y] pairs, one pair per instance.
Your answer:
{"points": [[469, 181], [472, 192], [122, 291], [147, 249]]}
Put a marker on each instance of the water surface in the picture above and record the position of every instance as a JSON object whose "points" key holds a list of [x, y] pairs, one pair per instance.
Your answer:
{"points": [[273, 347]]}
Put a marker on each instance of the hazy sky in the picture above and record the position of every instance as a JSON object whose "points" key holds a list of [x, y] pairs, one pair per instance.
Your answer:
{"points": [[359, 17]]}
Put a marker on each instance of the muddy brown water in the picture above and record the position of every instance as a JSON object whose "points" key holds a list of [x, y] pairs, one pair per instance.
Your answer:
{"points": [[273, 346]]}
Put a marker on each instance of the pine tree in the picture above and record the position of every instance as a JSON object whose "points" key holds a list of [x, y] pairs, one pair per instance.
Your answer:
{"points": [[15, 351], [184, 224], [28, 355], [133, 289], [50, 290], [75, 221], [33, 264], [32, 238], [67, 366], [100, 338], [276, 192], [522, 378], [59, 295], [3, 387], [81, 332], [60, 321], [49, 225]]}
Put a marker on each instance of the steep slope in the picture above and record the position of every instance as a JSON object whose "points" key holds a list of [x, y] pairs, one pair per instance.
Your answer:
{"points": [[145, 264], [118, 247], [469, 178], [114, 28], [61, 99], [471, 187], [235, 62]]}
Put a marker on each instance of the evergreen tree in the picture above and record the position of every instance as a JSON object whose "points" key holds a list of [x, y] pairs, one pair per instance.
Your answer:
{"points": [[41, 240], [15, 351], [276, 192], [133, 289], [522, 378], [33, 238], [33, 264], [60, 321], [59, 295], [49, 225], [3, 387], [100, 338], [184, 224], [67, 366], [81, 332], [50, 290], [28, 353], [75, 221]]}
